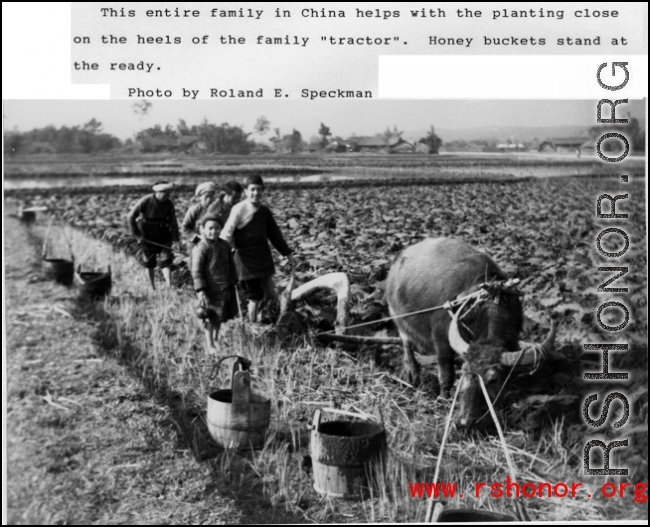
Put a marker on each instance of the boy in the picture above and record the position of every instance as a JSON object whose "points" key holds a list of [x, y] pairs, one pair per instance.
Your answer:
{"points": [[157, 223], [249, 226], [191, 225], [214, 274], [231, 196]]}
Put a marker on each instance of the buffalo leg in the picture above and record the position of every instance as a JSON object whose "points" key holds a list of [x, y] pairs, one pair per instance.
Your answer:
{"points": [[446, 375], [410, 366], [446, 372]]}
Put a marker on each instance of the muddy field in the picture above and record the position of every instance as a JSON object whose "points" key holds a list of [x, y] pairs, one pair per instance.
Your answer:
{"points": [[542, 231]]}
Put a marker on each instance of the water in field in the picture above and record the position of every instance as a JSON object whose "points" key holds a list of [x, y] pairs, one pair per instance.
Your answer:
{"points": [[44, 175], [27, 182]]}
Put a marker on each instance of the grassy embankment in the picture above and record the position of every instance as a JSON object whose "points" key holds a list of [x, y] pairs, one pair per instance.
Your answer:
{"points": [[95, 433]]}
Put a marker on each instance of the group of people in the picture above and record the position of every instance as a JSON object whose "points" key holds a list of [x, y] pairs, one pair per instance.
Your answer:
{"points": [[228, 241]]}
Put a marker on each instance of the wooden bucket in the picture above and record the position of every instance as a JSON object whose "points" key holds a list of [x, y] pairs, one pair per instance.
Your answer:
{"points": [[95, 284], [27, 216], [59, 269], [444, 515], [344, 454], [237, 417]]}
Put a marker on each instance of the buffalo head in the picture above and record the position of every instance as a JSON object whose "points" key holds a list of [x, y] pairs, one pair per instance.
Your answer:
{"points": [[484, 331]]}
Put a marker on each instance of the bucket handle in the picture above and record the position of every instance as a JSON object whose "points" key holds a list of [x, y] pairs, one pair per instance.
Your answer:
{"points": [[315, 421], [434, 507], [242, 362], [67, 239], [47, 237]]}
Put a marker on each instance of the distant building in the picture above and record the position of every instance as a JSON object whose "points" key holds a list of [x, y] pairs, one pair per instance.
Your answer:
{"points": [[261, 148], [403, 147], [511, 147], [567, 144], [378, 143], [338, 147]]}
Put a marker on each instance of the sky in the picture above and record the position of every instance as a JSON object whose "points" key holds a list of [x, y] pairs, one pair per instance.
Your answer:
{"points": [[344, 118]]}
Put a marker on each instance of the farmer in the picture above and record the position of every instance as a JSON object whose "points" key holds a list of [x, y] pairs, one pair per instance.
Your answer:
{"points": [[153, 219], [191, 226], [215, 276], [249, 226], [231, 196]]}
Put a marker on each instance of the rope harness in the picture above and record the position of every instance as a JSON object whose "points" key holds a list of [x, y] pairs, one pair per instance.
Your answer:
{"points": [[491, 291], [519, 506], [463, 306], [485, 291]]}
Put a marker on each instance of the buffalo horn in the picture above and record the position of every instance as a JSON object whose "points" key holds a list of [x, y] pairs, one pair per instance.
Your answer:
{"points": [[532, 353], [455, 340]]}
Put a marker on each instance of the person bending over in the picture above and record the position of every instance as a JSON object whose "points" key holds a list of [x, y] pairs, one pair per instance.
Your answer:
{"points": [[153, 222]]}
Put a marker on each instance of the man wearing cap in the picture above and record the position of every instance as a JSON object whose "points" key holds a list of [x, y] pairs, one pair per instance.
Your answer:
{"points": [[191, 226], [153, 219]]}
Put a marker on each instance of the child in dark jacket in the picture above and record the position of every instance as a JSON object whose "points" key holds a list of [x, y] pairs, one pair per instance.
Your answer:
{"points": [[215, 276]]}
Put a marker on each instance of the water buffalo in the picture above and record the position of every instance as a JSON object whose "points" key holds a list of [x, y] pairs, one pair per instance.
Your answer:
{"points": [[438, 270]]}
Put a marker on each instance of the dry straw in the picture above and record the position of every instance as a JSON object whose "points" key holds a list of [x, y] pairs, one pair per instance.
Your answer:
{"points": [[157, 335]]}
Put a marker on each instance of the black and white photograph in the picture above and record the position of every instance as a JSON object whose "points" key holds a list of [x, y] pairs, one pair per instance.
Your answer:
{"points": [[251, 309]]}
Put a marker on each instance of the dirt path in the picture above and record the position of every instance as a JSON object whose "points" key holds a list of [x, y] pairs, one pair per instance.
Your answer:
{"points": [[87, 441]]}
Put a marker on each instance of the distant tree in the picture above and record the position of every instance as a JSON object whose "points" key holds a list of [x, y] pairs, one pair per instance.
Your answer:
{"points": [[224, 139], [388, 133], [432, 141], [93, 127], [182, 128], [324, 132], [277, 141], [292, 142], [632, 130], [76, 139], [141, 109], [88, 135], [262, 125], [13, 143], [296, 142]]}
